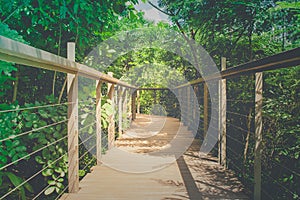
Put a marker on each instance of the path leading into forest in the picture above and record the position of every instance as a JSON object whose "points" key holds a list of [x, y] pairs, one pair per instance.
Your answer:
{"points": [[152, 148]]}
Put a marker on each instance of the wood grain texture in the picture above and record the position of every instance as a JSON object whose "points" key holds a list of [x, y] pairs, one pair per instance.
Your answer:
{"points": [[258, 135], [188, 177], [72, 91]]}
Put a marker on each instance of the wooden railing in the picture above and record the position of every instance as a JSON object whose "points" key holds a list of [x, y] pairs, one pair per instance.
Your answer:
{"points": [[12, 51], [19, 53], [282, 60]]}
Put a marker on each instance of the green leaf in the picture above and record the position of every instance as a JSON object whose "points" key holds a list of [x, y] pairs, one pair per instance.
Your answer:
{"points": [[47, 172], [59, 185], [81, 173], [15, 180], [28, 187], [51, 182], [50, 190], [21, 148], [39, 160], [28, 124], [3, 159], [43, 113]]}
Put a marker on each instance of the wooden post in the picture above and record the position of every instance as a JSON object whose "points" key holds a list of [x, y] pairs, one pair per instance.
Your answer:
{"points": [[220, 121], [223, 116], [195, 103], [133, 105], [138, 102], [129, 103], [120, 109], [98, 122], [125, 105], [205, 115], [183, 98], [185, 106], [188, 95], [180, 102], [258, 135], [111, 121], [73, 163]]}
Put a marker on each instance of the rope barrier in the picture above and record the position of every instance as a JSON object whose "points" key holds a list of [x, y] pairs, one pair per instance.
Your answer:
{"points": [[27, 180], [237, 114], [33, 130], [88, 151], [85, 140], [279, 184], [87, 126], [59, 195], [41, 192], [237, 127], [43, 106], [32, 153]]}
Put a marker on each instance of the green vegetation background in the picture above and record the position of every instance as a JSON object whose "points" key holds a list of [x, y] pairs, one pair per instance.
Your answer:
{"points": [[240, 30]]}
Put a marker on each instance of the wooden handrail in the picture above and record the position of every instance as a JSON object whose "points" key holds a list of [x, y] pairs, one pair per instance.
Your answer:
{"points": [[17, 52], [281, 60]]}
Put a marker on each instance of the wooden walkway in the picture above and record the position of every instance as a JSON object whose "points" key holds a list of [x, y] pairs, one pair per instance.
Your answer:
{"points": [[157, 175]]}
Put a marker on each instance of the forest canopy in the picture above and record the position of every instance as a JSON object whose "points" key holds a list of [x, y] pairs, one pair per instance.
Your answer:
{"points": [[240, 30]]}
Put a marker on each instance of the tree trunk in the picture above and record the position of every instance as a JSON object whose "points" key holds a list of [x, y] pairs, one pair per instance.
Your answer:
{"points": [[62, 90], [16, 83]]}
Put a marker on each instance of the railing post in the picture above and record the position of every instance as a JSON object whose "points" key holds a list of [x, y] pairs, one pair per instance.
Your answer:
{"points": [[111, 121], [98, 122], [188, 95], [73, 163], [184, 106], [205, 115], [220, 121], [258, 135], [125, 105], [120, 109], [133, 105], [223, 116], [138, 101], [179, 101], [195, 89]]}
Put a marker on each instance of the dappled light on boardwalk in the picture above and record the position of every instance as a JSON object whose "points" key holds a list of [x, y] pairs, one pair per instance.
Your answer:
{"points": [[188, 177]]}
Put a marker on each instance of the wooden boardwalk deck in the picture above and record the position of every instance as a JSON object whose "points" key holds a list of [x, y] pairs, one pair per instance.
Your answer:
{"points": [[188, 177]]}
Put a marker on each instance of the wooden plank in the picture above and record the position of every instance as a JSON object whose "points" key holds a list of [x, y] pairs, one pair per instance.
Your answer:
{"points": [[98, 122], [72, 85], [205, 109], [223, 117], [258, 135], [111, 120], [188, 177], [17, 52]]}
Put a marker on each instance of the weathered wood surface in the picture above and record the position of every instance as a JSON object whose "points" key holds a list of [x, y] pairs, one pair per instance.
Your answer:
{"points": [[17, 52], [188, 178]]}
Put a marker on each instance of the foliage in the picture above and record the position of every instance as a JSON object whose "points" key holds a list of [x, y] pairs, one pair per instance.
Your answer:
{"points": [[239, 30], [6, 69]]}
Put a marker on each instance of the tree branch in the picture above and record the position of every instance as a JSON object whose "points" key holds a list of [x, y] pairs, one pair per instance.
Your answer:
{"points": [[156, 7]]}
